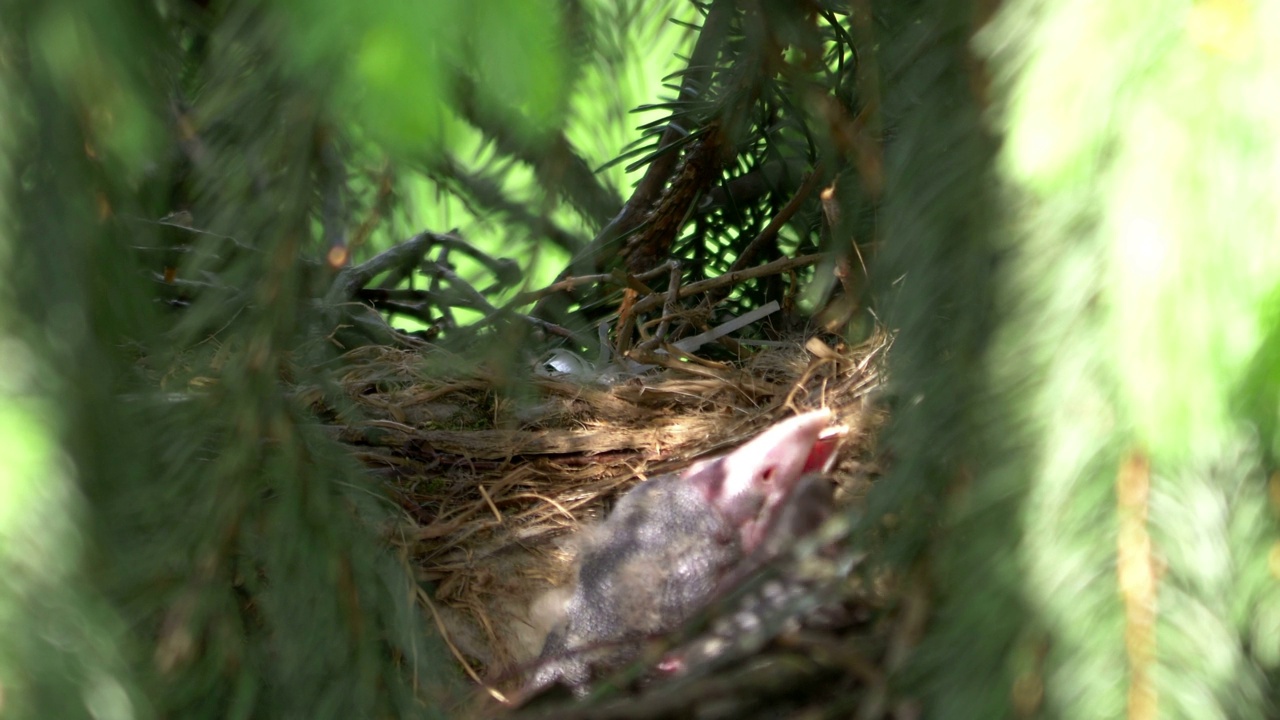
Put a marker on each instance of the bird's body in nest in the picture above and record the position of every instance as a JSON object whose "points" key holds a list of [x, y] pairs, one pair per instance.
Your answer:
{"points": [[676, 542]]}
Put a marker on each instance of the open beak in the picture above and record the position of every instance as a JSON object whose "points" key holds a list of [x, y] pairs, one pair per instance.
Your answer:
{"points": [[748, 484]]}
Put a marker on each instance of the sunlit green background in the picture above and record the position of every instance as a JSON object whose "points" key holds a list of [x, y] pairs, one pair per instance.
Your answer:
{"points": [[1074, 221]]}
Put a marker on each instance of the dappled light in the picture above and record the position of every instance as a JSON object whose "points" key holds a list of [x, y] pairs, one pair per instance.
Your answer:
{"points": [[639, 359]]}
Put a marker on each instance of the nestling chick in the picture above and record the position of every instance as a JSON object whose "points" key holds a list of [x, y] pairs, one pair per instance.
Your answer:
{"points": [[676, 542]]}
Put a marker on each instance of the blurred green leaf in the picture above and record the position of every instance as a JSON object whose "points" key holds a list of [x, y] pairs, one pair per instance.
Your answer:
{"points": [[520, 60], [388, 64], [91, 72]]}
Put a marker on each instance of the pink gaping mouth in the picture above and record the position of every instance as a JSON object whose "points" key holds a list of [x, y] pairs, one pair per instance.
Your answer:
{"points": [[748, 484]]}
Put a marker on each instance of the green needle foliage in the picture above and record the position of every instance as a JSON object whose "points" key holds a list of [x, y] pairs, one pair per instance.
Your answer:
{"points": [[1069, 211], [1085, 366], [1144, 256], [198, 547]]}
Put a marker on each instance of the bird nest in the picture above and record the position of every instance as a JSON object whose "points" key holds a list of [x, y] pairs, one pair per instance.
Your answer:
{"points": [[495, 476]]}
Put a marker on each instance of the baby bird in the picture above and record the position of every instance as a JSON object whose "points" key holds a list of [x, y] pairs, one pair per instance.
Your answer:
{"points": [[676, 542]]}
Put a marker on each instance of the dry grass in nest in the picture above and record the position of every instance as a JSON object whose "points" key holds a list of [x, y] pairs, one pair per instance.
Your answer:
{"points": [[493, 477]]}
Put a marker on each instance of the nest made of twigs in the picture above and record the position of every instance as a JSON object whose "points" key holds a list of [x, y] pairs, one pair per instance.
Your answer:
{"points": [[493, 474]]}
